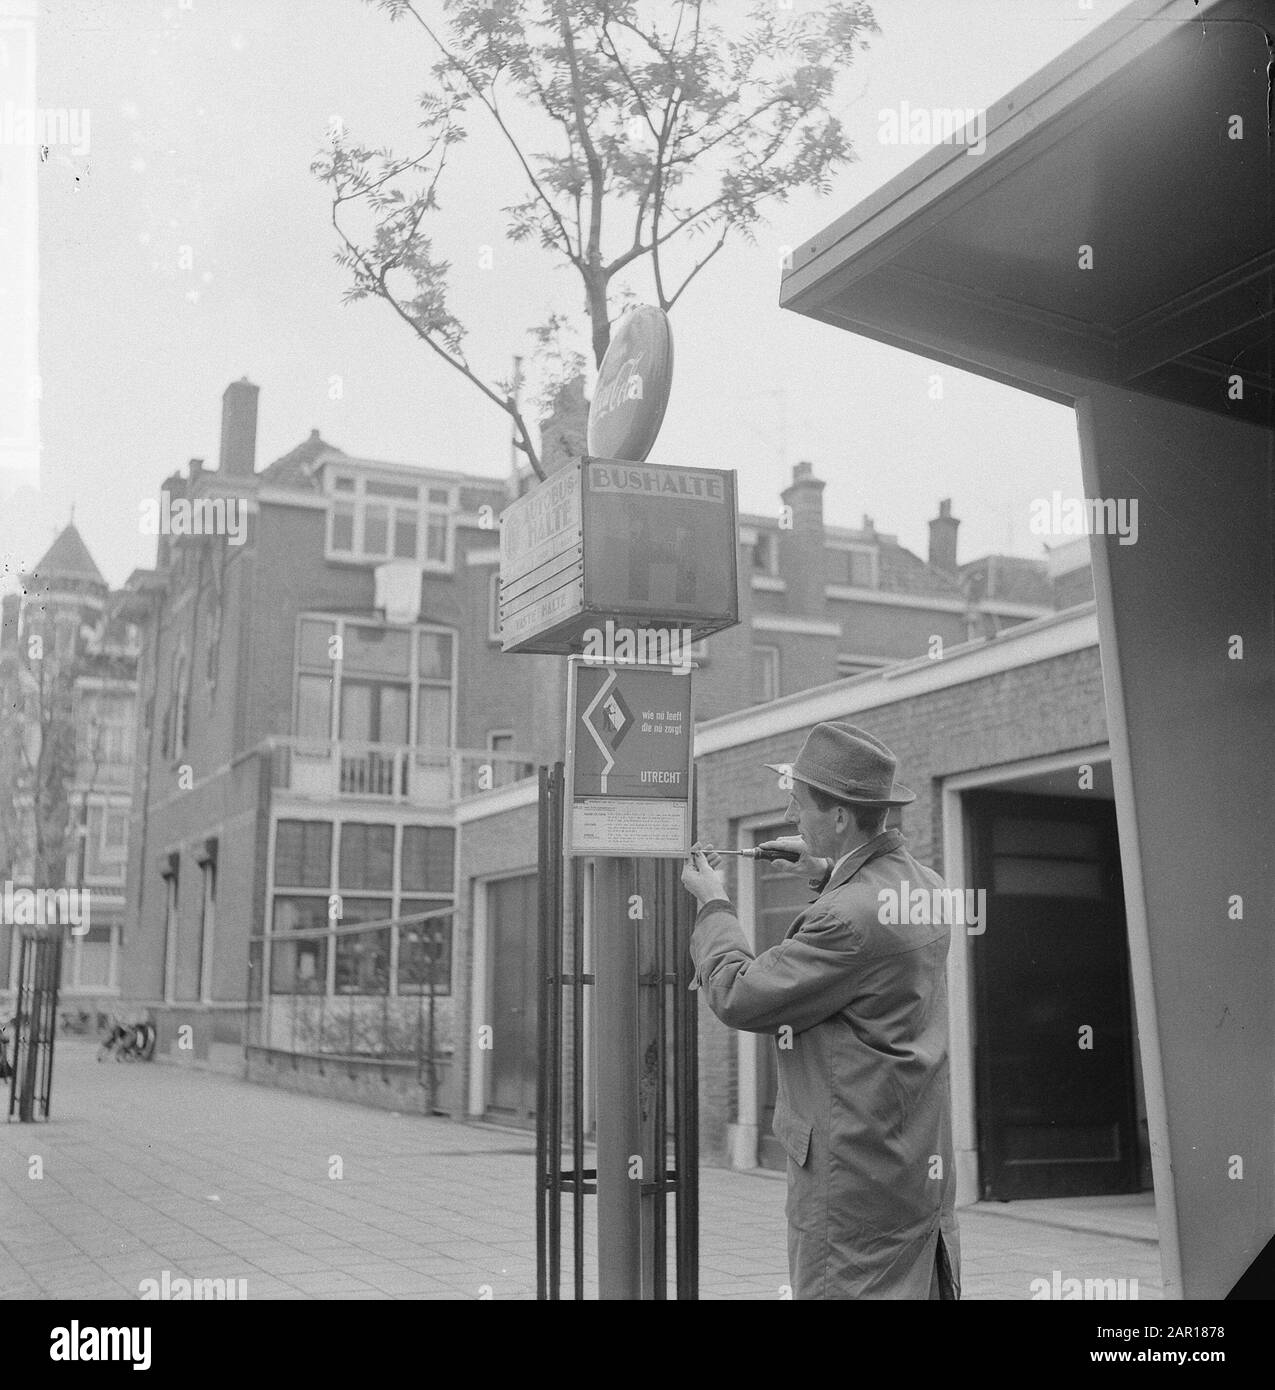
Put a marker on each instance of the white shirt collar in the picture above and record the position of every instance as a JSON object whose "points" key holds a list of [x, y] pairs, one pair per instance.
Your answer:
{"points": [[855, 850]]}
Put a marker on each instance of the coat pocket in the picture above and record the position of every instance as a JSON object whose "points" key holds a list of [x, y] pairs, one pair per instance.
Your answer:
{"points": [[793, 1133]]}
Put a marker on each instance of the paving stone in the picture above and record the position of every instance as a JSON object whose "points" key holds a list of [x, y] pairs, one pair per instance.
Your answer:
{"points": [[426, 1208]]}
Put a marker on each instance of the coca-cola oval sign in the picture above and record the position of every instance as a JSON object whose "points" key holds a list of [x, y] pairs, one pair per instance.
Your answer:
{"points": [[633, 387]]}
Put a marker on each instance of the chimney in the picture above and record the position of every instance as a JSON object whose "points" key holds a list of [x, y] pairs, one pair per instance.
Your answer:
{"points": [[943, 538], [239, 429], [802, 560], [564, 431]]}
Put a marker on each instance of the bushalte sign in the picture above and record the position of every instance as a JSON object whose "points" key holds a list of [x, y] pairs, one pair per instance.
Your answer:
{"points": [[640, 543], [633, 386], [629, 764]]}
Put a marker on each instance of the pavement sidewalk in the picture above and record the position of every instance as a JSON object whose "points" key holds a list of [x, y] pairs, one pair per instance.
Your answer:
{"points": [[147, 1168]]}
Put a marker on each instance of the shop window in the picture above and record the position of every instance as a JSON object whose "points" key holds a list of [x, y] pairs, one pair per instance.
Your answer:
{"points": [[303, 854], [428, 858]]}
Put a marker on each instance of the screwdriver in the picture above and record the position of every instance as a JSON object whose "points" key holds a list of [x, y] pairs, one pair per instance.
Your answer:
{"points": [[762, 852]]}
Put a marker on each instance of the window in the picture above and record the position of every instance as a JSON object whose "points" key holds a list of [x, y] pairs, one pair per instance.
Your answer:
{"points": [[377, 650], [861, 566], [384, 688], [404, 490], [428, 859], [207, 922], [375, 518], [106, 842], [501, 741], [177, 714], [299, 967], [1036, 857], [434, 717], [341, 535], [766, 553], [170, 873], [314, 707], [424, 951], [436, 539], [292, 914], [115, 835], [367, 859], [104, 726], [404, 534], [303, 854], [376, 521], [435, 656], [765, 672], [363, 958]]}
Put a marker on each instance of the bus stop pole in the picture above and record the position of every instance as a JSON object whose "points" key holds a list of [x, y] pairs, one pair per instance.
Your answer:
{"points": [[620, 1158]]}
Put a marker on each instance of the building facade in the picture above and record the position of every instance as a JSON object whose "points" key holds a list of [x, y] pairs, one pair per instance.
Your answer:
{"points": [[329, 725], [1005, 743], [69, 650]]}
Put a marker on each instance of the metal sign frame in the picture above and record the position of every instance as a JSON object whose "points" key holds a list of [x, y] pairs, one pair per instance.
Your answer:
{"points": [[652, 850]]}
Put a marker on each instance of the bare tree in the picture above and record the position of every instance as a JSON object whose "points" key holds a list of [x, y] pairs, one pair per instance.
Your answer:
{"points": [[643, 136]]}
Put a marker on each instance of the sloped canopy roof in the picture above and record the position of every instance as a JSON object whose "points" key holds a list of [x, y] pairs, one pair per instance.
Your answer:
{"points": [[1125, 144]]}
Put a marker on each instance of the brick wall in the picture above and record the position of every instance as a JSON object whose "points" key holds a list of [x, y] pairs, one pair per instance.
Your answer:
{"points": [[1027, 712]]}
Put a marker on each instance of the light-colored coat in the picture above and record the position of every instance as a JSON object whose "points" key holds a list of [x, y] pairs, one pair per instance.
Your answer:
{"points": [[859, 1014]]}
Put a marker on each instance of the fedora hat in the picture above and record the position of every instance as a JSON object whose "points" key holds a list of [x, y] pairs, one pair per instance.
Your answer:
{"points": [[848, 763]]}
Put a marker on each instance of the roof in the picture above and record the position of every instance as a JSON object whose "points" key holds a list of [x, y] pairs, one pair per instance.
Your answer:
{"points": [[901, 572], [297, 468], [1009, 578], [1044, 259], [68, 558]]}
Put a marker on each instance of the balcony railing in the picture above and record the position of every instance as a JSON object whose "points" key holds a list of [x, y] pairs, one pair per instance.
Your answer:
{"points": [[390, 772]]}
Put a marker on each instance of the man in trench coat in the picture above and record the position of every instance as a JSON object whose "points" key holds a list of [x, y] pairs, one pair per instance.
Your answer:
{"points": [[858, 1008]]}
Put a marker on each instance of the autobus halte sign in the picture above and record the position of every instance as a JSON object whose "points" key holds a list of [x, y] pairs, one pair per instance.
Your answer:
{"points": [[633, 386], [642, 544]]}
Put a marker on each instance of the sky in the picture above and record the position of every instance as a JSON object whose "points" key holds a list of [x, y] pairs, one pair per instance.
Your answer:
{"points": [[190, 245]]}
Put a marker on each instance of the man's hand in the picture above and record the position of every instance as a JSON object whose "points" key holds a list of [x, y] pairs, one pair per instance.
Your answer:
{"points": [[808, 866], [701, 877]]}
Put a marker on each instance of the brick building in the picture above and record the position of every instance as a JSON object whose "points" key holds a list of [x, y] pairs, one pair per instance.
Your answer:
{"points": [[1005, 742], [330, 728], [67, 622], [319, 691]]}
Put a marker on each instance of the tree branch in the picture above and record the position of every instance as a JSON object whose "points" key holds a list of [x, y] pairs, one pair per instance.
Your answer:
{"points": [[477, 90]]}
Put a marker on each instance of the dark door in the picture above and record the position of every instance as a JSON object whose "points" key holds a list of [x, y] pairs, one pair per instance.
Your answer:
{"points": [[513, 949], [1054, 1071], [778, 898]]}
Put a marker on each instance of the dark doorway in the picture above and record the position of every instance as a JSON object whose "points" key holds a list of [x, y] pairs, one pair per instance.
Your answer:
{"points": [[1054, 1069], [778, 897], [512, 950]]}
